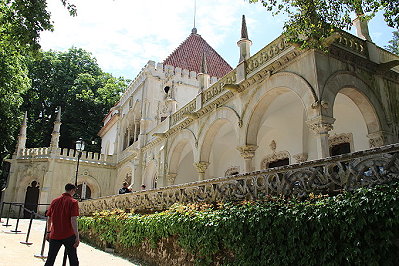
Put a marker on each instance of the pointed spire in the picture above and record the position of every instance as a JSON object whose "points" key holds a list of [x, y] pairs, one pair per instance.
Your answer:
{"points": [[58, 119], [204, 67], [244, 43], [55, 136], [21, 144], [244, 31]]}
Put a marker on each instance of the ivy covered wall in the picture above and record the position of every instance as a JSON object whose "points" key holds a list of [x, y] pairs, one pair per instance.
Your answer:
{"points": [[358, 228]]}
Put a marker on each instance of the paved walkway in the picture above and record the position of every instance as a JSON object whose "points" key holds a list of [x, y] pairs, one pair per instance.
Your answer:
{"points": [[13, 253]]}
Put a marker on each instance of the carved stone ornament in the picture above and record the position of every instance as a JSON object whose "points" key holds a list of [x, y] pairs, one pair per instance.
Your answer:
{"points": [[339, 139], [348, 172], [300, 157], [247, 151], [201, 166], [274, 157], [171, 177], [232, 170], [321, 124], [273, 145], [376, 139]]}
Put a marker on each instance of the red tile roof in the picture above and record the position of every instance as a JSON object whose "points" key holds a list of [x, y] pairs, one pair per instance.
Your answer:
{"points": [[189, 56]]}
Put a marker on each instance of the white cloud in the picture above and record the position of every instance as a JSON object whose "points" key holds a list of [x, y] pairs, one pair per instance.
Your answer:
{"points": [[124, 34]]}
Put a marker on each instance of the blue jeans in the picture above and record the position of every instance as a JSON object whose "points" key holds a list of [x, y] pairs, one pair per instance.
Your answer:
{"points": [[55, 246]]}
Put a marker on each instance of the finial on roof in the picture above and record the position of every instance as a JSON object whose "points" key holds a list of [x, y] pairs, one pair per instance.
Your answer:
{"points": [[244, 31], [58, 119], [194, 30], [24, 121], [204, 67]]}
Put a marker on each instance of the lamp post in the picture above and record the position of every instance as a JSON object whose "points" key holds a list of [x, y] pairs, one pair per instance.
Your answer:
{"points": [[80, 146]]}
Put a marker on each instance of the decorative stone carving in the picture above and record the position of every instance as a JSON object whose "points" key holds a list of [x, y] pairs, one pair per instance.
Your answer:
{"points": [[349, 172], [232, 171], [171, 177], [274, 157], [273, 145], [321, 124], [376, 139], [339, 139], [247, 151], [300, 157], [201, 166]]}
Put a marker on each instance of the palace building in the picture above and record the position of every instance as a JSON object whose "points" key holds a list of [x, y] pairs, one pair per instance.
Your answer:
{"points": [[194, 117]]}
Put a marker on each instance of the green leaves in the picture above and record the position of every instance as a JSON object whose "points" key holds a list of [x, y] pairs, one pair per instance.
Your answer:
{"points": [[310, 22], [74, 81], [357, 228]]}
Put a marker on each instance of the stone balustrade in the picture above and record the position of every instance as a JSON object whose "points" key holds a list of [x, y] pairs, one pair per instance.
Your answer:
{"points": [[344, 172], [179, 115], [216, 89], [62, 153], [267, 54], [352, 43]]}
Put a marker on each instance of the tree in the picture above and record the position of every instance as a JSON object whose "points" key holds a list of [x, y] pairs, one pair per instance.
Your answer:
{"points": [[310, 22], [21, 22], [74, 81], [393, 45]]}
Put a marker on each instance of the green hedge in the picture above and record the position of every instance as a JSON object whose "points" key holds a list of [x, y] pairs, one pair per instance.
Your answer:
{"points": [[358, 228]]}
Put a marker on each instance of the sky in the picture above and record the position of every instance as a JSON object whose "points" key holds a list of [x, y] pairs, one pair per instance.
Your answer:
{"points": [[123, 35]]}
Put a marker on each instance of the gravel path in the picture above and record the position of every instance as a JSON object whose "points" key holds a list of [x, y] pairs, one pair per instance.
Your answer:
{"points": [[13, 253]]}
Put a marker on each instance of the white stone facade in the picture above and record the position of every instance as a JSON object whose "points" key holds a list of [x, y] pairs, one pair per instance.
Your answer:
{"points": [[282, 103]]}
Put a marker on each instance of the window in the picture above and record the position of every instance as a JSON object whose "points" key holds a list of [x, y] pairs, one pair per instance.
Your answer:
{"points": [[339, 149], [278, 163]]}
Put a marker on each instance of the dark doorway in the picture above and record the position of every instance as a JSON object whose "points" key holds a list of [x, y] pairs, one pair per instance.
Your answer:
{"points": [[31, 198], [279, 163], [339, 149], [88, 192]]}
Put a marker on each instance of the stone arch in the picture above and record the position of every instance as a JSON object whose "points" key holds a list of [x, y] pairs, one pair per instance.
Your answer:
{"points": [[149, 172], [185, 137], [214, 122], [125, 170], [270, 89], [86, 177], [23, 184], [360, 93]]}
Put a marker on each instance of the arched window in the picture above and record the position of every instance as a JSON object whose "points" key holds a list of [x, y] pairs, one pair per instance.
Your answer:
{"points": [[84, 191]]}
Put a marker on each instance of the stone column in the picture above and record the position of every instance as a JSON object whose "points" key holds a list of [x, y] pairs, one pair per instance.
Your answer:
{"points": [[320, 126], [247, 152], [171, 177], [201, 168]]}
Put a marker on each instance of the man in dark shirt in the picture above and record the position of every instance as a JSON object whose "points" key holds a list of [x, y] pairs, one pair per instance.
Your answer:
{"points": [[62, 226], [125, 188]]}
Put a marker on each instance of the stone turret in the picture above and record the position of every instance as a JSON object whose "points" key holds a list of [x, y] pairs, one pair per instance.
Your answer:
{"points": [[203, 76], [55, 136], [244, 43], [362, 29], [21, 144]]}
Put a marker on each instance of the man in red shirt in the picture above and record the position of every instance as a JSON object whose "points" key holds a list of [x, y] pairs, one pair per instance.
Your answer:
{"points": [[62, 226]]}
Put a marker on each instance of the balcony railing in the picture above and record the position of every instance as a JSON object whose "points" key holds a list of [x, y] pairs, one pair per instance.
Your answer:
{"points": [[344, 172]]}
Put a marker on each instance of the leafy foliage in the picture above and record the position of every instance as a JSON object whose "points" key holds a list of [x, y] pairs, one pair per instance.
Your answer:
{"points": [[74, 81], [393, 45], [357, 228], [310, 22], [21, 23]]}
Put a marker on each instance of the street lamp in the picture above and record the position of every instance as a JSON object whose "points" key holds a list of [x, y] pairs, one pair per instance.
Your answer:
{"points": [[80, 146]]}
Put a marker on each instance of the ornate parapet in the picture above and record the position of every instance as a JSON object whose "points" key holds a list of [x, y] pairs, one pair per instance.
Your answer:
{"points": [[182, 113], [217, 88], [348, 172]]}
